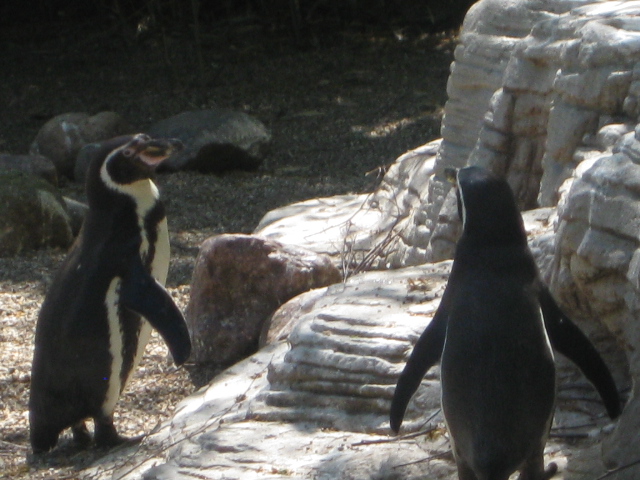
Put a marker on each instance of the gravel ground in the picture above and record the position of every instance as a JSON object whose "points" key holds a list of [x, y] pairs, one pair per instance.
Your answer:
{"points": [[351, 104]]}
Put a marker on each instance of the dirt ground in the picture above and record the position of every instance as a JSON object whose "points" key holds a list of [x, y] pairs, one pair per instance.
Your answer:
{"points": [[350, 103]]}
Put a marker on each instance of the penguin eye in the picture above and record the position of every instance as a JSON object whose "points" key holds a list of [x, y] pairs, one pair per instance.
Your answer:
{"points": [[128, 152]]}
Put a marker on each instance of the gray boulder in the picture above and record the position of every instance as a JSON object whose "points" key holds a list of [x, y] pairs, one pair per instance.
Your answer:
{"points": [[62, 137], [30, 164], [238, 282], [32, 216], [215, 141]]}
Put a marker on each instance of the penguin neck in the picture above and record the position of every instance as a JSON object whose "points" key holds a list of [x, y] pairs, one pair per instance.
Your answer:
{"points": [[507, 254], [110, 201], [509, 230]]}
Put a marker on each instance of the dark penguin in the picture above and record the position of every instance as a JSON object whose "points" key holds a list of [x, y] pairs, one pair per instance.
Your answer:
{"points": [[97, 315], [493, 334]]}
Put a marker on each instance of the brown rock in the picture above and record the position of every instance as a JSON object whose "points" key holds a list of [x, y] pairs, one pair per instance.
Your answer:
{"points": [[238, 282]]}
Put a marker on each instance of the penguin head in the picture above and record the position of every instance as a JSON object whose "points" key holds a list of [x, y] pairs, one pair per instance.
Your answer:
{"points": [[487, 207], [137, 159], [125, 167]]}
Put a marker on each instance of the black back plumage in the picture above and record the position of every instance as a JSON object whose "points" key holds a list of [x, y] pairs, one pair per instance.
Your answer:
{"points": [[493, 276]]}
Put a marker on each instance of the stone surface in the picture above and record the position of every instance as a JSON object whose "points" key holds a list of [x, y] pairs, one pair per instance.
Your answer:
{"points": [[597, 265], [215, 140], [32, 164], [62, 137], [238, 282], [385, 229], [32, 216]]}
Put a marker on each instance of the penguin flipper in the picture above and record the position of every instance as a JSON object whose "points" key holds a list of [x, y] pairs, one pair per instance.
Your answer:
{"points": [[142, 294], [425, 354], [568, 339]]}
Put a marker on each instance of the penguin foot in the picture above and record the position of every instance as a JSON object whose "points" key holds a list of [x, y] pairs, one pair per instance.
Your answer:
{"points": [[43, 438], [106, 435], [120, 441], [81, 435]]}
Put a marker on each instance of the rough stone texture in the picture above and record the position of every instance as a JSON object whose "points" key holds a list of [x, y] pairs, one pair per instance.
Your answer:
{"points": [[385, 229], [215, 140], [32, 215], [316, 407], [32, 164], [238, 282], [597, 264], [62, 137]]}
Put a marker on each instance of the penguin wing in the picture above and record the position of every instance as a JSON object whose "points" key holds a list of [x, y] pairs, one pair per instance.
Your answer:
{"points": [[142, 293], [425, 354], [568, 339]]}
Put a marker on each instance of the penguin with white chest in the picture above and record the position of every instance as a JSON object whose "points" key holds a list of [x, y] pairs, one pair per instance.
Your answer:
{"points": [[97, 315], [493, 334]]}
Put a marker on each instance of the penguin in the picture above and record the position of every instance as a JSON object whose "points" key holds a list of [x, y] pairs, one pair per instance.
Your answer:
{"points": [[494, 334], [97, 315]]}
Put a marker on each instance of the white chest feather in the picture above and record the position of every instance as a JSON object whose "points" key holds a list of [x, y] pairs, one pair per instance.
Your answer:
{"points": [[115, 346], [145, 195]]}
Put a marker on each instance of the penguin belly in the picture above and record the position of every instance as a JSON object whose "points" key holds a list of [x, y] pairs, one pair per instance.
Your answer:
{"points": [[129, 333], [498, 381]]}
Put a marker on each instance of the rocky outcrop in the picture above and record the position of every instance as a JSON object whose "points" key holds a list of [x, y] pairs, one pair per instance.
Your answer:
{"points": [[238, 282], [62, 137], [410, 219], [215, 140], [385, 229], [32, 216], [597, 263]]}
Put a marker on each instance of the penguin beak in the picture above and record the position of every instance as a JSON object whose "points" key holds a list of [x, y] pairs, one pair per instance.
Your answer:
{"points": [[451, 174], [155, 151]]}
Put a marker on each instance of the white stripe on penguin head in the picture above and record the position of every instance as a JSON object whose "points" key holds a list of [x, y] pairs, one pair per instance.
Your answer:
{"points": [[144, 194]]}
